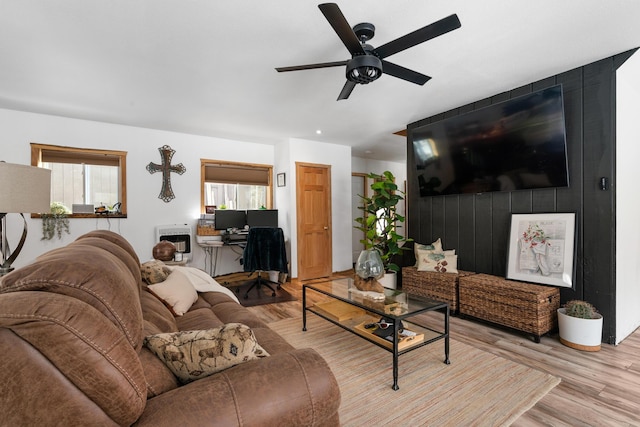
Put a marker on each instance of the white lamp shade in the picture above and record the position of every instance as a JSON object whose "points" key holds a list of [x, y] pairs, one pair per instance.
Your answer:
{"points": [[24, 189]]}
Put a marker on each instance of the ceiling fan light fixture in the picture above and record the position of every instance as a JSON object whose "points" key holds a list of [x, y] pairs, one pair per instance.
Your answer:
{"points": [[364, 69]]}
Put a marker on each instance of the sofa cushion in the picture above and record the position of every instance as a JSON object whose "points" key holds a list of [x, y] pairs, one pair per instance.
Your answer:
{"points": [[192, 355], [158, 376], [177, 291], [95, 275], [155, 311]]}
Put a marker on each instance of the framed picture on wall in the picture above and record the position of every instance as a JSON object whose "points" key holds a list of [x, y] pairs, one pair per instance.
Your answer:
{"points": [[541, 248]]}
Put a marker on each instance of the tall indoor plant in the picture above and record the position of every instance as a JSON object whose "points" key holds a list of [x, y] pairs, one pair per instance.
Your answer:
{"points": [[380, 219]]}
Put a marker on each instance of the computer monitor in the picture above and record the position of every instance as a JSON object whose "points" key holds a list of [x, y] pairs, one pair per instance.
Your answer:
{"points": [[228, 218], [262, 218]]}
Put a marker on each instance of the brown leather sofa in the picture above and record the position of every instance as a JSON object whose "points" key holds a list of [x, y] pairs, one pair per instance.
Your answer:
{"points": [[72, 326]]}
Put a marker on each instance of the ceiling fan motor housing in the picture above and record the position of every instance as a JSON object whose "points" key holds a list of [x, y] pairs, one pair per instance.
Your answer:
{"points": [[364, 69]]}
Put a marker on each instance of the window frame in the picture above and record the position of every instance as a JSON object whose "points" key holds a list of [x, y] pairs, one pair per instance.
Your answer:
{"points": [[223, 163], [36, 160]]}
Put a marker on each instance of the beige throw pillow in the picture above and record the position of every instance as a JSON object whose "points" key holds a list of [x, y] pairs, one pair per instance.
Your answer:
{"points": [[192, 355], [177, 291]]}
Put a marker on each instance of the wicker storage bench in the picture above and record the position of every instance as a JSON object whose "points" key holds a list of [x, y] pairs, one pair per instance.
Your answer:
{"points": [[523, 306], [431, 284]]}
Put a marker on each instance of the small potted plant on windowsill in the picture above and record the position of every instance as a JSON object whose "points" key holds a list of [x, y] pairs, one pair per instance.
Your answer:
{"points": [[380, 220], [580, 326], [55, 222]]}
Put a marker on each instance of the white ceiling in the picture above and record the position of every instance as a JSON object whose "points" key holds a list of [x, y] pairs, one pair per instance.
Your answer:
{"points": [[207, 67]]}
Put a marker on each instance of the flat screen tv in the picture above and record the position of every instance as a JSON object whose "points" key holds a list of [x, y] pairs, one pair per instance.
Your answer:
{"points": [[513, 145], [230, 219], [262, 218]]}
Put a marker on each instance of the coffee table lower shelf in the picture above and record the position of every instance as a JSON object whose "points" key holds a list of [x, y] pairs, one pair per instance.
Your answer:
{"points": [[351, 316]]}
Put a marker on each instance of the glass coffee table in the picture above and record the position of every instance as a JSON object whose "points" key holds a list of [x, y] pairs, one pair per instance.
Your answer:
{"points": [[378, 318]]}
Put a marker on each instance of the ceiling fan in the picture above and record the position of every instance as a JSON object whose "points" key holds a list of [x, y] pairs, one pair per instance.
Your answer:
{"points": [[367, 63]]}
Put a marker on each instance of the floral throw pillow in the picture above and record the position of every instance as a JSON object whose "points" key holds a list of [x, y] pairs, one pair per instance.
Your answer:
{"points": [[439, 262], [192, 355], [433, 247]]}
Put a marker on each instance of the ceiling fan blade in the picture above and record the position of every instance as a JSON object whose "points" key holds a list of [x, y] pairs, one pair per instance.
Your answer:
{"points": [[429, 32], [404, 73], [346, 90], [311, 66], [332, 12]]}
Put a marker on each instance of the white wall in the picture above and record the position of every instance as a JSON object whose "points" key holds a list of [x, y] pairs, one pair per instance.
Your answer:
{"points": [[627, 200], [145, 209]]}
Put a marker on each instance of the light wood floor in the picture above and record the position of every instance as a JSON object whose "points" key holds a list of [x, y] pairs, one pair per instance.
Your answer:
{"points": [[597, 389]]}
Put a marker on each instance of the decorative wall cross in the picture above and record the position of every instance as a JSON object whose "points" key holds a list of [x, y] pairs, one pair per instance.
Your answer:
{"points": [[166, 153]]}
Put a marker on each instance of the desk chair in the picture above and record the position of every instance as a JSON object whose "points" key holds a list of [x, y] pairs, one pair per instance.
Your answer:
{"points": [[265, 251]]}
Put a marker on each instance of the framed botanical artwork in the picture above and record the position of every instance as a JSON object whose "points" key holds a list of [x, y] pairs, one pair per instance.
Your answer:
{"points": [[281, 179], [541, 248]]}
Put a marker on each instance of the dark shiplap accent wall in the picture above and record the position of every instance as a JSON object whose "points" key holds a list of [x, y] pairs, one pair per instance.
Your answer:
{"points": [[477, 226]]}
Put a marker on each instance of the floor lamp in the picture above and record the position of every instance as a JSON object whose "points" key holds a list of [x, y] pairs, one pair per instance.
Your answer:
{"points": [[22, 189]]}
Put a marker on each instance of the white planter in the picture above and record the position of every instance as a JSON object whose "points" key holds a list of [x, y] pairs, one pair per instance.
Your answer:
{"points": [[388, 280], [581, 334]]}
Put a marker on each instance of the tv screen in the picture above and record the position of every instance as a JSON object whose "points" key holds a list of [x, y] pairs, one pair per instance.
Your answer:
{"points": [[513, 145], [262, 218], [228, 218]]}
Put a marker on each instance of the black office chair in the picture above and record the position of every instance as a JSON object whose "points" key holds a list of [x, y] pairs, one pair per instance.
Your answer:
{"points": [[265, 251]]}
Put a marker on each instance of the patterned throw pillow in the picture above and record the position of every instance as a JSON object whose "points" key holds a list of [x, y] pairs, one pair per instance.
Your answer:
{"points": [[434, 247], [192, 355], [154, 272], [440, 262]]}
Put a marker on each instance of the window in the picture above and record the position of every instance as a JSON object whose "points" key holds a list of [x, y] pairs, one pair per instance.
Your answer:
{"points": [[236, 185], [84, 176]]}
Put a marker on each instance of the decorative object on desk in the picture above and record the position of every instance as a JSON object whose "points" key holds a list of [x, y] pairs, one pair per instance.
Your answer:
{"points": [[24, 189], [541, 248], [210, 209], [380, 220], [281, 178], [580, 326], [164, 251], [166, 153], [55, 222]]}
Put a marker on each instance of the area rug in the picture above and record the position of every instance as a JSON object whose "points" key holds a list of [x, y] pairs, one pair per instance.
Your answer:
{"points": [[261, 296], [476, 389]]}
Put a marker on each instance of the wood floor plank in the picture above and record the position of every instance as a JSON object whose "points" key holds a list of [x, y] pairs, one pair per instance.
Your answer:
{"points": [[597, 388]]}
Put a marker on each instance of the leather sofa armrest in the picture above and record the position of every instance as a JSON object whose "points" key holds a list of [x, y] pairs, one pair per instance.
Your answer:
{"points": [[296, 388]]}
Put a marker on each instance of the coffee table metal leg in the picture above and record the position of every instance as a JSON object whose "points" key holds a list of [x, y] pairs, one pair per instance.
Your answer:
{"points": [[446, 336], [304, 308], [396, 328]]}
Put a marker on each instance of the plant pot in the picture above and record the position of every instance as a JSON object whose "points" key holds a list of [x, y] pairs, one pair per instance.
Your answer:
{"points": [[581, 334], [389, 280]]}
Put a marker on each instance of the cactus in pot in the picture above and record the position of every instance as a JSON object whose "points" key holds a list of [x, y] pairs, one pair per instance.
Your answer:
{"points": [[580, 309], [580, 326]]}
